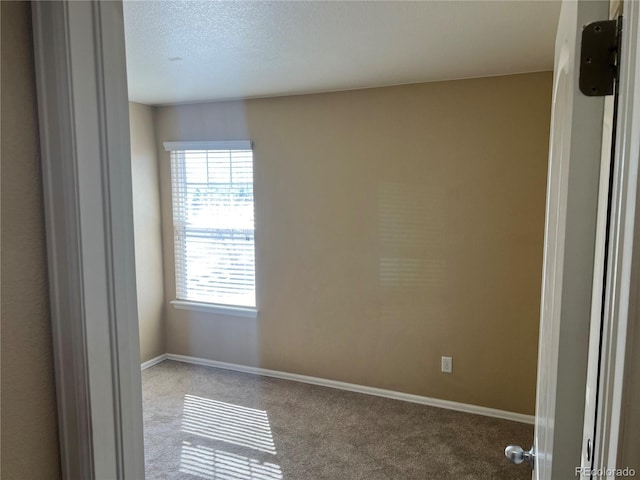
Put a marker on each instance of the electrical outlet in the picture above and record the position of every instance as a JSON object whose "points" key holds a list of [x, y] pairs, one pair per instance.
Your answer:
{"points": [[447, 365]]}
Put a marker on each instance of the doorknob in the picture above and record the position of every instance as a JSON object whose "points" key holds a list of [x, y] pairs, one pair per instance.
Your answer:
{"points": [[517, 455]]}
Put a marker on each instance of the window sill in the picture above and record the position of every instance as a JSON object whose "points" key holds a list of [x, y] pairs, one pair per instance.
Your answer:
{"points": [[248, 312]]}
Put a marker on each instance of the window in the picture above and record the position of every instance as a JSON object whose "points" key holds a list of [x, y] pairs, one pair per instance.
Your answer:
{"points": [[212, 189]]}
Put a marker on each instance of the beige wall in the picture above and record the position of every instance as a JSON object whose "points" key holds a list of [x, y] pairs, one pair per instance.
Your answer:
{"points": [[393, 226], [29, 423], [147, 230]]}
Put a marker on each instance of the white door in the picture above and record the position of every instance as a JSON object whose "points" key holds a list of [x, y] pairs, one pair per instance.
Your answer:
{"points": [[569, 252]]}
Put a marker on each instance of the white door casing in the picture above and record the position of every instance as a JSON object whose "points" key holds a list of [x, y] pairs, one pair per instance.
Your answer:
{"points": [[621, 287], [570, 231], [595, 332], [84, 134]]}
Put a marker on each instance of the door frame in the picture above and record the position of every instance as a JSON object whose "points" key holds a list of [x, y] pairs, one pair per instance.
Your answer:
{"points": [[84, 134], [621, 287], [83, 113]]}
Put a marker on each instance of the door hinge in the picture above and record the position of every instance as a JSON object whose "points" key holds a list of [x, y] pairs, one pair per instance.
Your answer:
{"points": [[599, 57]]}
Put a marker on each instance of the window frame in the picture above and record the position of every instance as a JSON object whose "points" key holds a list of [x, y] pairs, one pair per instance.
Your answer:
{"points": [[213, 307]]}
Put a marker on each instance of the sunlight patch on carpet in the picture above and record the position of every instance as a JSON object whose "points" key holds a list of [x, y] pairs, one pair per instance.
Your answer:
{"points": [[210, 464], [242, 426]]}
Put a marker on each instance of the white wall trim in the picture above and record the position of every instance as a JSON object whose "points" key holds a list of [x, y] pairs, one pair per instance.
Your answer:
{"points": [[208, 145], [215, 308], [83, 113], [351, 387], [153, 361]]}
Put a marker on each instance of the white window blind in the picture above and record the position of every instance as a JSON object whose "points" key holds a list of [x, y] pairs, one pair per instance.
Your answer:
{"points": [[212, 185]]}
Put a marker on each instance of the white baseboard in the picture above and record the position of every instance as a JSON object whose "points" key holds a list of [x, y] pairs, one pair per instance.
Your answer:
{"points": [[379, 392], [153, 361]]}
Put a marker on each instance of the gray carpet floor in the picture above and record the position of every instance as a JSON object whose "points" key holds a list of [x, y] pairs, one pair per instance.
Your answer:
{"points": [[208, 423]]}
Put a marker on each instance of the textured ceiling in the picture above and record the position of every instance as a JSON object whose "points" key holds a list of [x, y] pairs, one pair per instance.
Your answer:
{"points": [[192, 51]]}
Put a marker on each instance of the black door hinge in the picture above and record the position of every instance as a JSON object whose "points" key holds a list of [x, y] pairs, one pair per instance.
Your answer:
{"points": [[599, 57]]}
